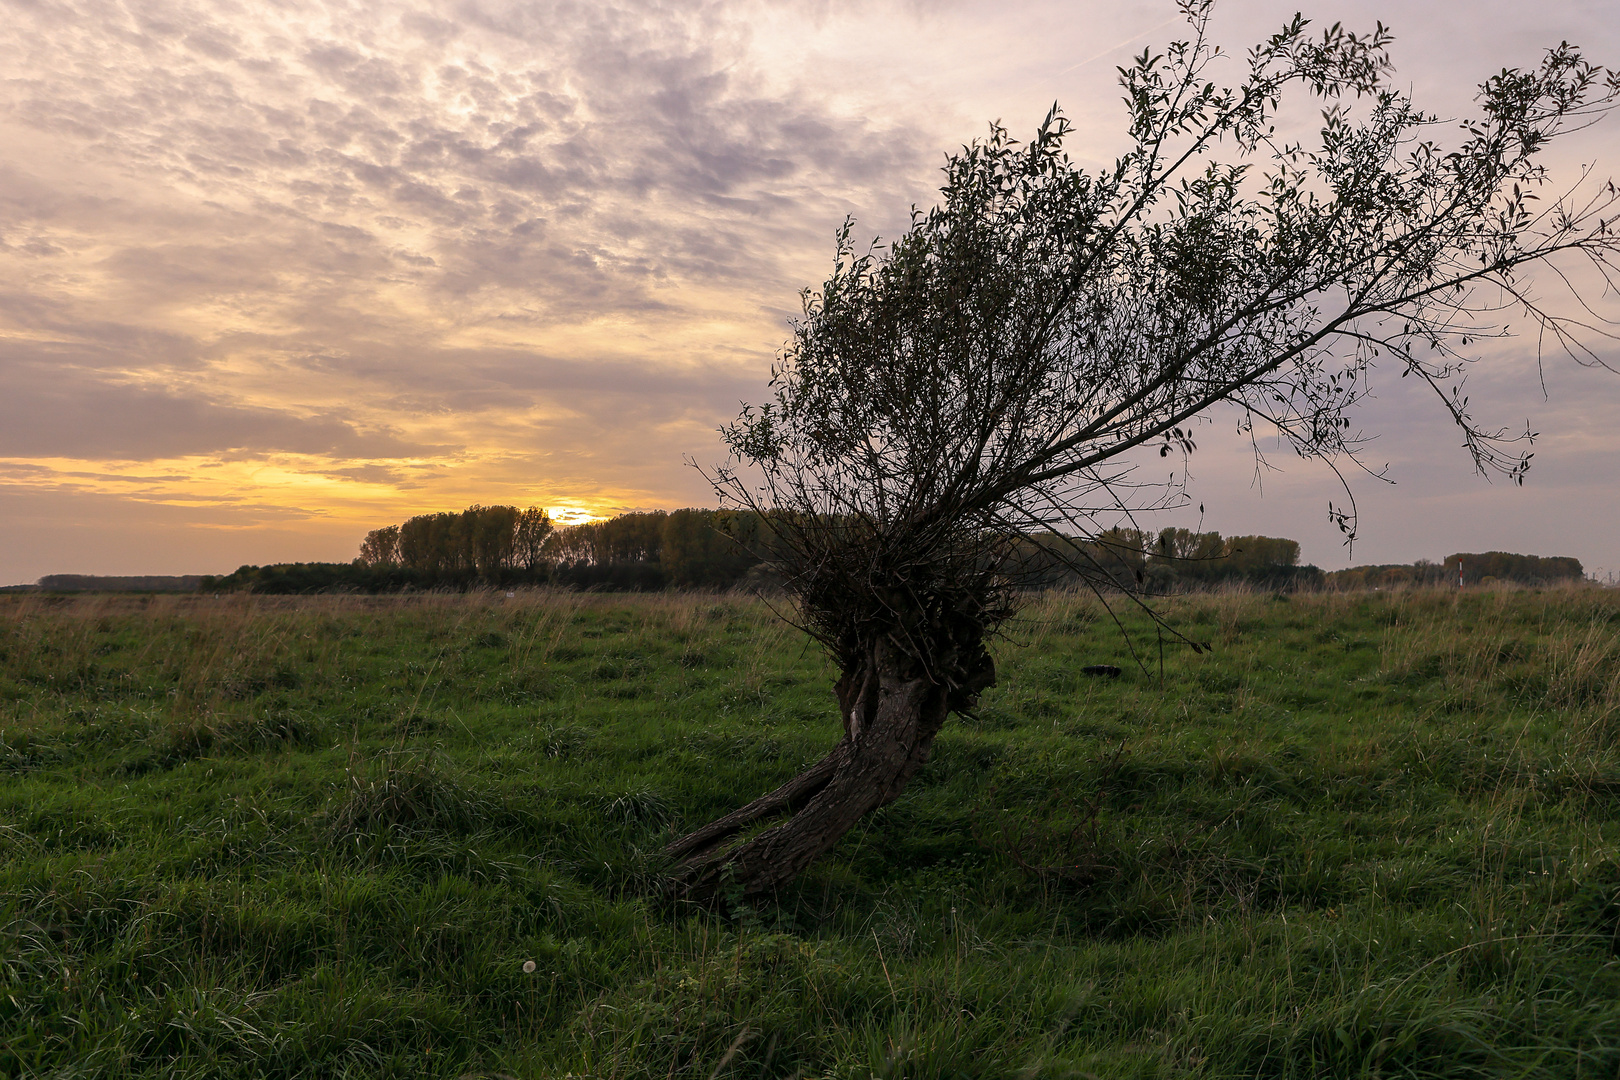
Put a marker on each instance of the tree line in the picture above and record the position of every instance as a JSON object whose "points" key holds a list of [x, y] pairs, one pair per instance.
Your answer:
{"points": [[487, 542], [1180, 560], [1175, 560], [497, 546], [695, 548], [1470, 568], [140, 583], [502, 546]]}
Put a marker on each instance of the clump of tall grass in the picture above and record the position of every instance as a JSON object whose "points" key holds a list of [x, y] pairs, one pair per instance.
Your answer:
{"points": [[405, 790], [1556, 651]]}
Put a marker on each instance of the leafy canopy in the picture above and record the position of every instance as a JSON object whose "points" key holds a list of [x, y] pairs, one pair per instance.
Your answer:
{"points": [[990, 374]]}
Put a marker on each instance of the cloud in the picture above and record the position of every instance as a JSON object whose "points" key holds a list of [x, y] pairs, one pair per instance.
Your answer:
{"points": [[236, 217], [573, 150], [360, 259], [63, 414]]}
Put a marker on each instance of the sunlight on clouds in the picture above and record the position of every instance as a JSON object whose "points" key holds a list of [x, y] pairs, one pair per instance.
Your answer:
{"points": [[356, 267], [317, 266], [286, 488]]}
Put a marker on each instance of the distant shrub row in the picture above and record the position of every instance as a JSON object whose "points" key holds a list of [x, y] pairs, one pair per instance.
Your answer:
{"points": [[318, 577], [1480, 568], [1178, 560], [502, 546]]}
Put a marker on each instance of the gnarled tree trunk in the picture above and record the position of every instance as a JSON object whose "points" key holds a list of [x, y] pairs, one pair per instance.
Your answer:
{"points": [[892, 707]]}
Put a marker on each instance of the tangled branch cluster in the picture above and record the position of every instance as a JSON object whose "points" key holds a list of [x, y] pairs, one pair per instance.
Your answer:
{"points": [[983, 383]]}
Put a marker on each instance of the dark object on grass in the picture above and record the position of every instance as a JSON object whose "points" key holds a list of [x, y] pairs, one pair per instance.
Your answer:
{"points": [[1104, 670], [981, 390]]}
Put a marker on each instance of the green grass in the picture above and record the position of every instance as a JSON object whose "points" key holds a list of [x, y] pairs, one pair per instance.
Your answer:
{"points": [[1369, 835]]}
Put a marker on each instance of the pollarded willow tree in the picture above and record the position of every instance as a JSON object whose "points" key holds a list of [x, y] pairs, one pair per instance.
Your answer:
{"points": [[987, 380]]}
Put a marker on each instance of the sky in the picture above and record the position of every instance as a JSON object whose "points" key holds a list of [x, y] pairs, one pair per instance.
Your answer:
{"points": [[276, 273]]}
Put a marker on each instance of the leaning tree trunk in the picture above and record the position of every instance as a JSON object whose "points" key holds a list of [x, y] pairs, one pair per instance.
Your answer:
{"points": [[892, 709]]}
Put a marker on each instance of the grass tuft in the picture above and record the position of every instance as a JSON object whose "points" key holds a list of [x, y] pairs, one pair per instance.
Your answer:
{"points": [[405, 790]]}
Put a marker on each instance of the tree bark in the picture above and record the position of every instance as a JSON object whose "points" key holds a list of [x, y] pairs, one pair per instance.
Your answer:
{"points": [[892, 711]]}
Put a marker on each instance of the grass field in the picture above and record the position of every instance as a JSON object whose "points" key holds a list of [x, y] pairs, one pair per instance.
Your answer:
{"points": [[1368, 835]]}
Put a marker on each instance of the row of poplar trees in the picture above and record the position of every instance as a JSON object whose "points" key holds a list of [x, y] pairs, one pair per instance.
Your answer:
{"points": [[481, 541], [695, 548], [1169, 560], [689, 548]]}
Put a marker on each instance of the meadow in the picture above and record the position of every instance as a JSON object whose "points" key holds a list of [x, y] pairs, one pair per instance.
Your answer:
{"points": [[1368, 834]]}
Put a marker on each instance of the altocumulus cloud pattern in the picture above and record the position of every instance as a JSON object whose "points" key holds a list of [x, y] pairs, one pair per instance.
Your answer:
{"points": [[269, 258]]}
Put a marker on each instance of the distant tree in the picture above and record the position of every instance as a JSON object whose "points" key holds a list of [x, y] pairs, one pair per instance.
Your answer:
{"points": [[1186, 549], [627, 538], [483, 542], [380, 547], [529, 538], [701, 549], [489, 535], [415, 542], [571, 543], [1250, 555], [1117, 555], [431, 543], [1523, 569], [990, 374], [633, 537], [1183, 556]]}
